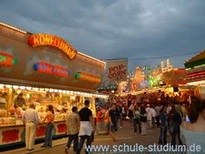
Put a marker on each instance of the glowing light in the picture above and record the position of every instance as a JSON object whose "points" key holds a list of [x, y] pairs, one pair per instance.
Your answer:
{"points": [[15, 87], [7, 59], [1, 85], [196, 74], [52, 40], [8, 86], [51, 90], [22, 87], [87, 77], [28, 88], [47, 68], [196, 83]]}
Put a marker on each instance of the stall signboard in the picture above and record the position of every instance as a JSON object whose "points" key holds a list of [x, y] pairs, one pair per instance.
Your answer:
{"points": [[117, 69], [50, 69], [42, 63], [52, 40], [6, 59], [174, 77], [87, 77]]}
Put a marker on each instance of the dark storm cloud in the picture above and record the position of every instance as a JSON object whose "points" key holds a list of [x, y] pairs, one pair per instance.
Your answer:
{"points": [[116, 28]]}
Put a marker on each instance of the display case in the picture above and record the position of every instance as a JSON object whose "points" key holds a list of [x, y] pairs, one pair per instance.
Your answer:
{"points": [[12, 129]]}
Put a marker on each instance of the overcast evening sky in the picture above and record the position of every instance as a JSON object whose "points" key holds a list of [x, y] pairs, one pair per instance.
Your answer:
{"points": [[107, 29]]}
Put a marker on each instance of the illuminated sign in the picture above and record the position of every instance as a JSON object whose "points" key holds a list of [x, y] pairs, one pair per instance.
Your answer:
{"points": [[196, 74], [87, 77], [7, 59], [48, 39], [47, 68]]}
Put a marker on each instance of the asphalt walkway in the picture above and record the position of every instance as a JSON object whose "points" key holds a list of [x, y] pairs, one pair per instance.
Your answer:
{"points": [[126, 141]]}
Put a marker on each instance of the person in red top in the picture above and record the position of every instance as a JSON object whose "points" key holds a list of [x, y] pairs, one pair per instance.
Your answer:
{"points": [[99, 121], [49, 120]]}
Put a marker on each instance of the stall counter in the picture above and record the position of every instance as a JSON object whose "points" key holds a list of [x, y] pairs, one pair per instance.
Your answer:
{"points": [[11, 134]]}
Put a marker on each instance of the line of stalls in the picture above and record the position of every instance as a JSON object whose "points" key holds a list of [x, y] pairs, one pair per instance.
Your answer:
{"points": [[42, 69]]}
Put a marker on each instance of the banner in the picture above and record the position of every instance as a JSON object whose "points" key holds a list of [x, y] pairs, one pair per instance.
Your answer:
{"points": [[117, 69]]}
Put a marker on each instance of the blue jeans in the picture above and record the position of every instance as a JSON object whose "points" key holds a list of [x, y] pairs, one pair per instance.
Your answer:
{"points": [[70, 139], [163, 135], [137, 125], [176, 133], [82, 140], [49, 135]]}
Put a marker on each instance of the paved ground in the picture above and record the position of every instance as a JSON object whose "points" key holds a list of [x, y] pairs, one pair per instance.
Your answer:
{"points": [[125, 136]]}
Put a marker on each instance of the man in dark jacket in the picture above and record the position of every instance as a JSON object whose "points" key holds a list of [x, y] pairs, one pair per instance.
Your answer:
{"points": [[177, 120], [164, 123]]}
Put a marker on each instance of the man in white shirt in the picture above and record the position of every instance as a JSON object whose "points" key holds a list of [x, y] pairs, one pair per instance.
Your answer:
{"points": [[30, 118], [151, 114]]}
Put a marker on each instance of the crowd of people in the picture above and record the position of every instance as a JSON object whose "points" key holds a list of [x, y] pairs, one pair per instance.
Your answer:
{"points": [[180, 117], [168, 113], [79, 124]]}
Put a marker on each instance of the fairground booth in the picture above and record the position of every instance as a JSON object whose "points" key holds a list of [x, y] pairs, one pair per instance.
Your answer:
{"points": [[42, 69], [195, 68]]}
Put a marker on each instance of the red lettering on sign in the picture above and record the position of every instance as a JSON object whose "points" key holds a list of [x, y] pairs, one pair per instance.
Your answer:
{"points": [[117, 72]]}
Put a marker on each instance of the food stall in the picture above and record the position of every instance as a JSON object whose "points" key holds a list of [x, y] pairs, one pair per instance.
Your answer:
{"points": [[195, 68], [43, 69]]}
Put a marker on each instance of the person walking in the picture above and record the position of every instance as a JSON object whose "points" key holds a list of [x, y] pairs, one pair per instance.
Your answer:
{"points": [[177, 120], [143, 119], [49, 120], [113, 118], [157, 110], [130, 113], [73, 125], [136, 120], [108, 124], [164, 123], [99, 121], [113, 121], [119, 109], [86, 127], [150, 116], [30, 119], [124, 112], [107, 121], [170, 120]]}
